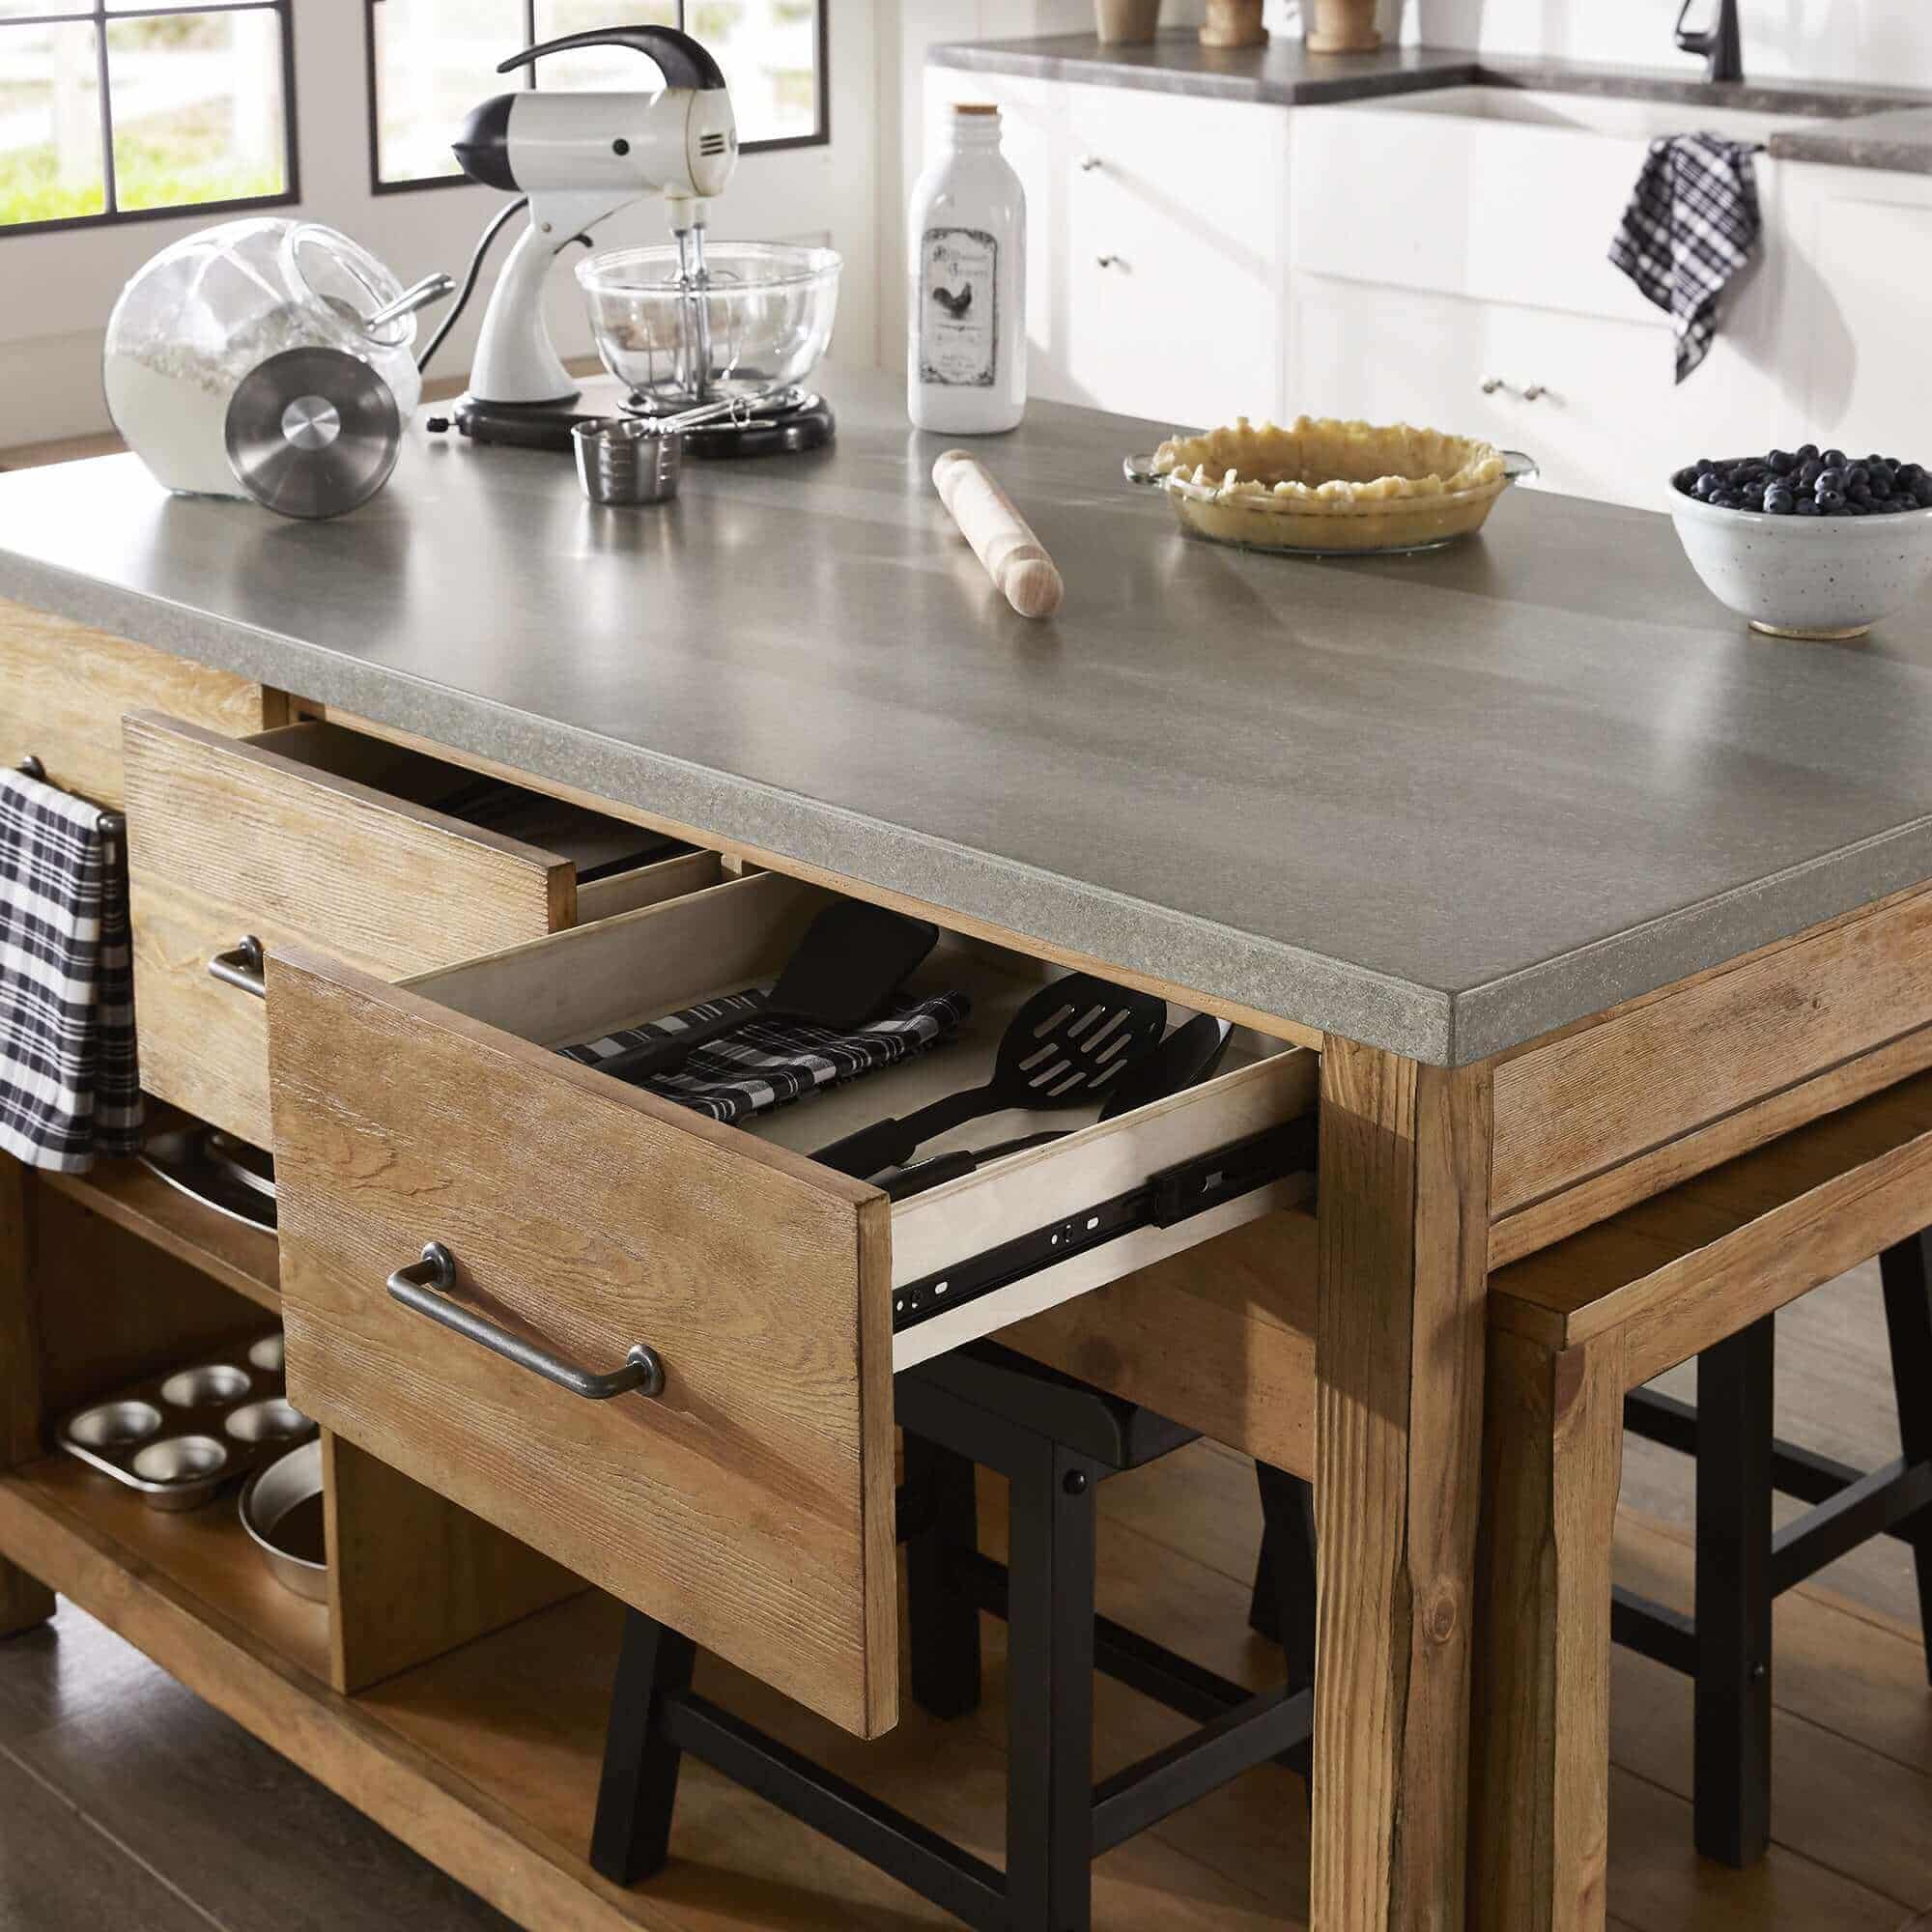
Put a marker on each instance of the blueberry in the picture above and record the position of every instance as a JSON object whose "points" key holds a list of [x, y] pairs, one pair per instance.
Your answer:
{"points": [[1908, 473], [1831, 477], [1808, 453], [1725, 499], [1859, 493], [1779, 503], [1858, 509], [1807, 508], [1857, 472], [1809, 472], [1834, 459], [1782, 461], [1830, 499], [1921, 490], [1881, 485]]}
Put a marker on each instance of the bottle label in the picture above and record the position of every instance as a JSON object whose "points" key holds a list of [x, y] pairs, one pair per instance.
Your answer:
{"points": [[958, 308]]}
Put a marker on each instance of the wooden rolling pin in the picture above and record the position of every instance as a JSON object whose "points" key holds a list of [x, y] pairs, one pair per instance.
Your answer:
{"points": [[1026, 576]]}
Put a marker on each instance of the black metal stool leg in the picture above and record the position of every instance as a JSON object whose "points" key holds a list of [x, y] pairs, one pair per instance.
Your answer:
{"points": [[1287, 1573], [639, 1792], [1050, 1691], [1906, 1273], [1734, 1596], [941, 1618]]}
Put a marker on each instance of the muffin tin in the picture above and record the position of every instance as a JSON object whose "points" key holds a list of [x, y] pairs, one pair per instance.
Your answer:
{"points": [[177, 1438]]}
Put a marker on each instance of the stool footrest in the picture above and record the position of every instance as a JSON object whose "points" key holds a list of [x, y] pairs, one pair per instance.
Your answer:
{"points": [[1265, 1726], [954, 1878]]}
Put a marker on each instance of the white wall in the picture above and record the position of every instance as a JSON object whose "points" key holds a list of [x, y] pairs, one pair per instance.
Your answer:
{"points": [[56, 288]]}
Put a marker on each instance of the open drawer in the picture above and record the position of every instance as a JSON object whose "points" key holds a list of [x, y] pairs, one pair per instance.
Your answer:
{"points": [[749, 1500], [313, 832]]}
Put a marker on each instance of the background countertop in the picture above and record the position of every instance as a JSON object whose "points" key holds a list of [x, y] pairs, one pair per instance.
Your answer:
{"points": [[1439, 804], [1844, 124]]}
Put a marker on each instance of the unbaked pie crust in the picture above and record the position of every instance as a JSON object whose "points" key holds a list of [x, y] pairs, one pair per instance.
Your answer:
{"points": [[1321, 484]]}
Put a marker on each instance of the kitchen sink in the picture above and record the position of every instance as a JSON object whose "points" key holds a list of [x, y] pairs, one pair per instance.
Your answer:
{"points": [[1608, 116]]}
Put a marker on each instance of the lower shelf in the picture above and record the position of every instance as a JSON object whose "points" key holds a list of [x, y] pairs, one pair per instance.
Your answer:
{"points": [[486, 1761]]}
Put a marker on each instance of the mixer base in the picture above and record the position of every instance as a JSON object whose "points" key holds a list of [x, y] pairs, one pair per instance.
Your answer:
{"points": [[802, 420]]}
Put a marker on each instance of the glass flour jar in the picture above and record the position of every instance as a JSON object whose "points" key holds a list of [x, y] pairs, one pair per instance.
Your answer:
{"points": [[207, 310]]}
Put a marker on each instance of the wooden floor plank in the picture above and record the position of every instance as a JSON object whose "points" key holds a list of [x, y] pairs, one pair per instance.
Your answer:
{"points": [[58, 1870]]}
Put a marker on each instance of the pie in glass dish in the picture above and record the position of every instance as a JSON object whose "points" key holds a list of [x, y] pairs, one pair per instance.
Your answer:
{"points": [[1326, 487]]}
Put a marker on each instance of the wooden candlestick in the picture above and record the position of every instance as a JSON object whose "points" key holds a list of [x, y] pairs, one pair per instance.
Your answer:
{"points": [[1234, 23]]}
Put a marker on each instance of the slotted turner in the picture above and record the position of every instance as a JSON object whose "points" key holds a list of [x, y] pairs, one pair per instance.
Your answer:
{"points": [[1184, 1059], [851, 961], [1064, 1048]]}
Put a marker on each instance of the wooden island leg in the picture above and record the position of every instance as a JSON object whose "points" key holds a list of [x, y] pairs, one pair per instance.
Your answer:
{"points": [[1552, 1462], [24, 1601], [1404, 1210]]}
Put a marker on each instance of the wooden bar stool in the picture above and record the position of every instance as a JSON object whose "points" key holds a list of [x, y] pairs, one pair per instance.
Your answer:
{"points": [[1744, 1566], [1574, 1331], [1056, 1440]]}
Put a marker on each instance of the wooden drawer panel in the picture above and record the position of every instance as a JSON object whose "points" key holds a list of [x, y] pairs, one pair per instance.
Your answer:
{"points": [[1673, 1085], [751, 1504], [63, 689], [301, 834]]}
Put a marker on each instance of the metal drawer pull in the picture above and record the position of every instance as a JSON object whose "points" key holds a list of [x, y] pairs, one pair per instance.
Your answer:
{"points": [[417, 1286], [1089, 162], [241, 967], [1108, 260]]}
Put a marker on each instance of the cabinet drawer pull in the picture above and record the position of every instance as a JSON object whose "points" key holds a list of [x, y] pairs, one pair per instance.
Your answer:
{"points": [[241, 967], [1491, 384], [417, 1286], [1089, 162], [1108, 260]]}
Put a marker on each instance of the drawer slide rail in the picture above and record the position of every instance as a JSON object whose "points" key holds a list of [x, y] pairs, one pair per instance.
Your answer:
{"points": [[1165, 1199]]}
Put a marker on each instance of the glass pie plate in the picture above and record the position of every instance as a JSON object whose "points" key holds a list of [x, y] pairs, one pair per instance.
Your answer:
{"points": [[1393, 508]]}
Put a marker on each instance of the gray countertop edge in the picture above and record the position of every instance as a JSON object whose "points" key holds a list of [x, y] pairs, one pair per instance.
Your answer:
{"points": [[1510, 1014], [1288, 983]]}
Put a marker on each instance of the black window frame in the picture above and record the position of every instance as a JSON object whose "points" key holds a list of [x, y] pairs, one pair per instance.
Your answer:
{"points": [[379, 187], [96, 14]]}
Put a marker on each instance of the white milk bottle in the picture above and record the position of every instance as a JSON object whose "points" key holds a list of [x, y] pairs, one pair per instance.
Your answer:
{"points": [[966, 354]]}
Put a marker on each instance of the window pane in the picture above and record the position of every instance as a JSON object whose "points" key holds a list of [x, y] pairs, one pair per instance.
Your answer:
{"points": [[50, 167], [599, 69], [769, 52], [16, 10], [197, 108], [434, 61]]}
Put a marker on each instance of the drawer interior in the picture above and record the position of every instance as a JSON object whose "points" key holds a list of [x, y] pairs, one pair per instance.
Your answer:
{"points": [[603, 851], [578, 986]]}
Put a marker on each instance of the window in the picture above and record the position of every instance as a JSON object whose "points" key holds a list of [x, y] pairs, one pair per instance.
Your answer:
{"points": [[116, 110], [431, 61]]}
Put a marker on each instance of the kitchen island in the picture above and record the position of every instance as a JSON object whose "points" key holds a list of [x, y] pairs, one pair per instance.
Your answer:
{"points": [[1577, 889]]}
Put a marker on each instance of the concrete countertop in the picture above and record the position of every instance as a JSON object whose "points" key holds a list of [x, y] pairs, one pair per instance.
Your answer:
{"points": [[1849, 125], [1438, 804]]}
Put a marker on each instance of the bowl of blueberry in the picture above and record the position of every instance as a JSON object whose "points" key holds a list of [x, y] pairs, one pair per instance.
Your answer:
{"points": [[1807, 543]]}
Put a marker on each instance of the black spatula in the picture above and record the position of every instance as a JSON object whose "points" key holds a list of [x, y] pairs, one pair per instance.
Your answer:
{"points": [[1184, 1059], [851, 961], [1063, 1048]]}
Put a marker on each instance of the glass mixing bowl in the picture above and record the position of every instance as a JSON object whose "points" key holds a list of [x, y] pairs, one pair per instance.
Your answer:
{"points": [[761, 324]]}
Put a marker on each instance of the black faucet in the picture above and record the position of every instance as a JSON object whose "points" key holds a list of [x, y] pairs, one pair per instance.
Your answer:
{"points": [[1721, 43]]}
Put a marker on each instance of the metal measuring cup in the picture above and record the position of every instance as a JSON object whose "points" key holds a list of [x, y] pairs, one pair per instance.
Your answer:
{"points": [[623, 460]]}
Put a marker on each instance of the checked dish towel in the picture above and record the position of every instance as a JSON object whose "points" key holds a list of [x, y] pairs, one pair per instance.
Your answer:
{"points": [[1692, 225], [767, 1063], [69, 1088]]}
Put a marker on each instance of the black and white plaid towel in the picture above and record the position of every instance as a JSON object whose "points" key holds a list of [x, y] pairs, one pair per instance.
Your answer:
{"points": [[1692, 225], [767, 1063], [69, 1088]]}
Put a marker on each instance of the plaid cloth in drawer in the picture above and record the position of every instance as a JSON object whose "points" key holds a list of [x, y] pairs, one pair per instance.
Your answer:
{"points": [[767, 1063], [69, 1088]]}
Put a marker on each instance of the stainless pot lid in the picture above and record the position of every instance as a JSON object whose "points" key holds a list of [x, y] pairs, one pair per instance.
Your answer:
{"points": [[313, 432]]}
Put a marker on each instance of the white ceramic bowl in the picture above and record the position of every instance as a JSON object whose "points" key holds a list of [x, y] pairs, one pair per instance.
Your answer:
{"points": [[1806, 576]]}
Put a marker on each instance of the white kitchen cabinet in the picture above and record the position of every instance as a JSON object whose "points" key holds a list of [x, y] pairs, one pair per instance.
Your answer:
{"points": [[1861, 244], [1156, 257], [1442, 259]]}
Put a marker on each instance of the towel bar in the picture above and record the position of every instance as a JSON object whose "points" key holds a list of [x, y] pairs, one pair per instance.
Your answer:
{"points": [[109, 825]]}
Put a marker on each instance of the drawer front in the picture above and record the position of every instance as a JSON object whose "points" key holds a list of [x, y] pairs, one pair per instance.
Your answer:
{"points": [[750, 1504], [228, 838], [63, 686]]}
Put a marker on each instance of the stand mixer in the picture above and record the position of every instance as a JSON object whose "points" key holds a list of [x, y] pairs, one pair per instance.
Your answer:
{"points": [[580, 158]]}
